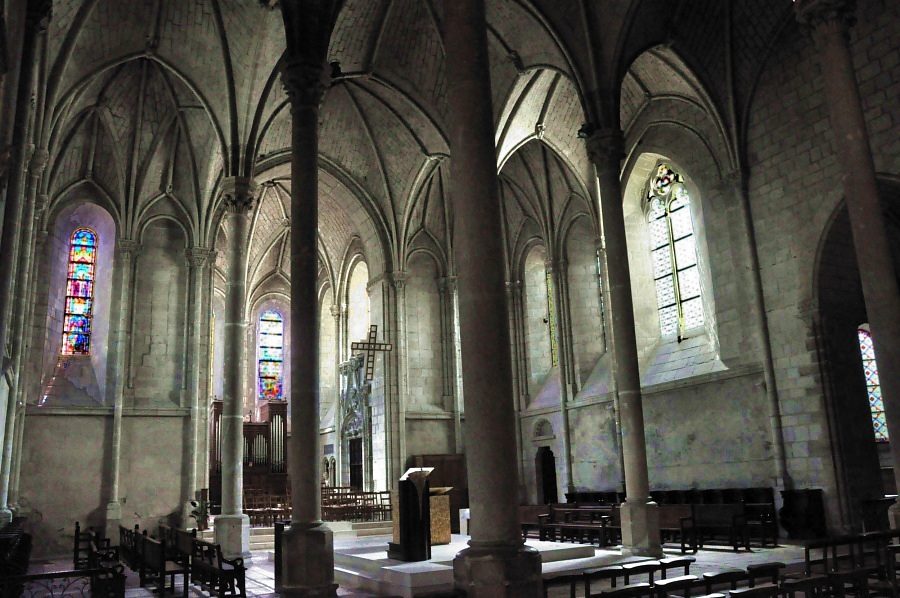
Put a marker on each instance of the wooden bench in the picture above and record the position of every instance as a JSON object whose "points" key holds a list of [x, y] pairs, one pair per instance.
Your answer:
{"points": [[710, 521], [563, 522], [216, 574]]}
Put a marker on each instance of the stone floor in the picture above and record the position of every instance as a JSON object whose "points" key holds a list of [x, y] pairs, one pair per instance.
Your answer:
{"points": [[261, 577]]}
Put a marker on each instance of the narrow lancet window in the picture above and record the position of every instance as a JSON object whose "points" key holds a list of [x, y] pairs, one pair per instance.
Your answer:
{"points": [[76, 336], [271, 355], [674, 253], [873, 384]]}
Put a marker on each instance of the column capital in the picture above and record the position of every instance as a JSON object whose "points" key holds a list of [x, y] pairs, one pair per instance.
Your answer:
{"points": [[825, 15], [605, 146], [447, 283], [41, 201], [398, 278], [127, 249], [39, 159], [239, 194], [198, 257], [305, 82], [336, 310]]}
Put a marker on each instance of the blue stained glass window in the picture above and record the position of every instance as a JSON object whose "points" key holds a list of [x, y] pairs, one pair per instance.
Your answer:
{"points": [[873, 384], [270, 353], [76, 336]]}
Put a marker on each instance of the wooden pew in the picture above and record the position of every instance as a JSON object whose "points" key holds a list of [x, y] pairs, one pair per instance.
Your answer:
{"points": [[709, 521]]}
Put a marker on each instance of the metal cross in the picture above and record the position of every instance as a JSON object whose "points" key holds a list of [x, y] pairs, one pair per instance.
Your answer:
{"points": [[370, 346]]}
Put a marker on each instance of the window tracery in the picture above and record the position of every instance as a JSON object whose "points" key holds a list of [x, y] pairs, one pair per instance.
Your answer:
{"points": [[674, 253]]}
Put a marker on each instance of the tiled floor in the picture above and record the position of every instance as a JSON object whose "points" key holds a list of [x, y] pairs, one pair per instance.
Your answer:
{"points": [[261, 575]]}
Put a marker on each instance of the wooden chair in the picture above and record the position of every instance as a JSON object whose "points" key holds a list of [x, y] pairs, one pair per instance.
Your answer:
{"points": [[566, 580], [770, 571], [682, 585], [815, 586], [593, 577], [635, 590], [675, 562], [648, 568], [720, 578], [766, 590], [156, 567]]}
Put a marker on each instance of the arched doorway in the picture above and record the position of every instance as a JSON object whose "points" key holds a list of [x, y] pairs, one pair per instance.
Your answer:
{"points": [[545, 469]]}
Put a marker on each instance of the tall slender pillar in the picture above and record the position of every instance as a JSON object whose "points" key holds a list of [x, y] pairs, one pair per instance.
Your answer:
{"points": [[126, 252], [640, 516], [496, 563], [829, 22], [17, 329], [307, 546], [232, 526], [198, 258], [36, 13], [564, 356]]}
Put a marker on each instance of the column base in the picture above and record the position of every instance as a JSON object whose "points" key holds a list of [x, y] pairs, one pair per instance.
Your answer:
{"points": [[640, 529], [233, 535], [5, 516], [307, 561], [498, 570], [113, 520]]}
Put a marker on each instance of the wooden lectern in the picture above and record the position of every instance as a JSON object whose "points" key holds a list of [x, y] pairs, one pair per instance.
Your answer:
{"points": [[415, 517]]}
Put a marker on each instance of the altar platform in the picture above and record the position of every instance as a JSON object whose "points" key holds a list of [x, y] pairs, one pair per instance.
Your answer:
{"points": [[363, 564]]}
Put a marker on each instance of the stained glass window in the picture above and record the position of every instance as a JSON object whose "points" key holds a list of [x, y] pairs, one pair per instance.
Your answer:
{"points": [[271, 355], [873, 385], [673, 253], [76, 336]]}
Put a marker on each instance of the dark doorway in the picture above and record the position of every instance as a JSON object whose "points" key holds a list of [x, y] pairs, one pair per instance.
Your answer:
{"points": [[356, 464], [545, 467]]}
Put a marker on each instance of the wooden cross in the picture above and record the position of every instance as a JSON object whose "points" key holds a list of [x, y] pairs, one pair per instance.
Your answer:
{"points": [[370, 346]]}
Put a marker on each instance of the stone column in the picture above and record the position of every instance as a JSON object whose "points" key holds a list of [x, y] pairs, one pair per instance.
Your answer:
{"points": [[640, 516], [829, 22], [232, 526], [126, 252], [198, 258], [496, 563], [36, 15], [307, 546], [337, 313], [398, 280], [564, 356], [450, 345], [16, 338]]}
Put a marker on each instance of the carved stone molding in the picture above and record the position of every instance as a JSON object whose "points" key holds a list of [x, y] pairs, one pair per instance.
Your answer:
{"points": [[239, 194], [305, 83], [605, 147]]}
